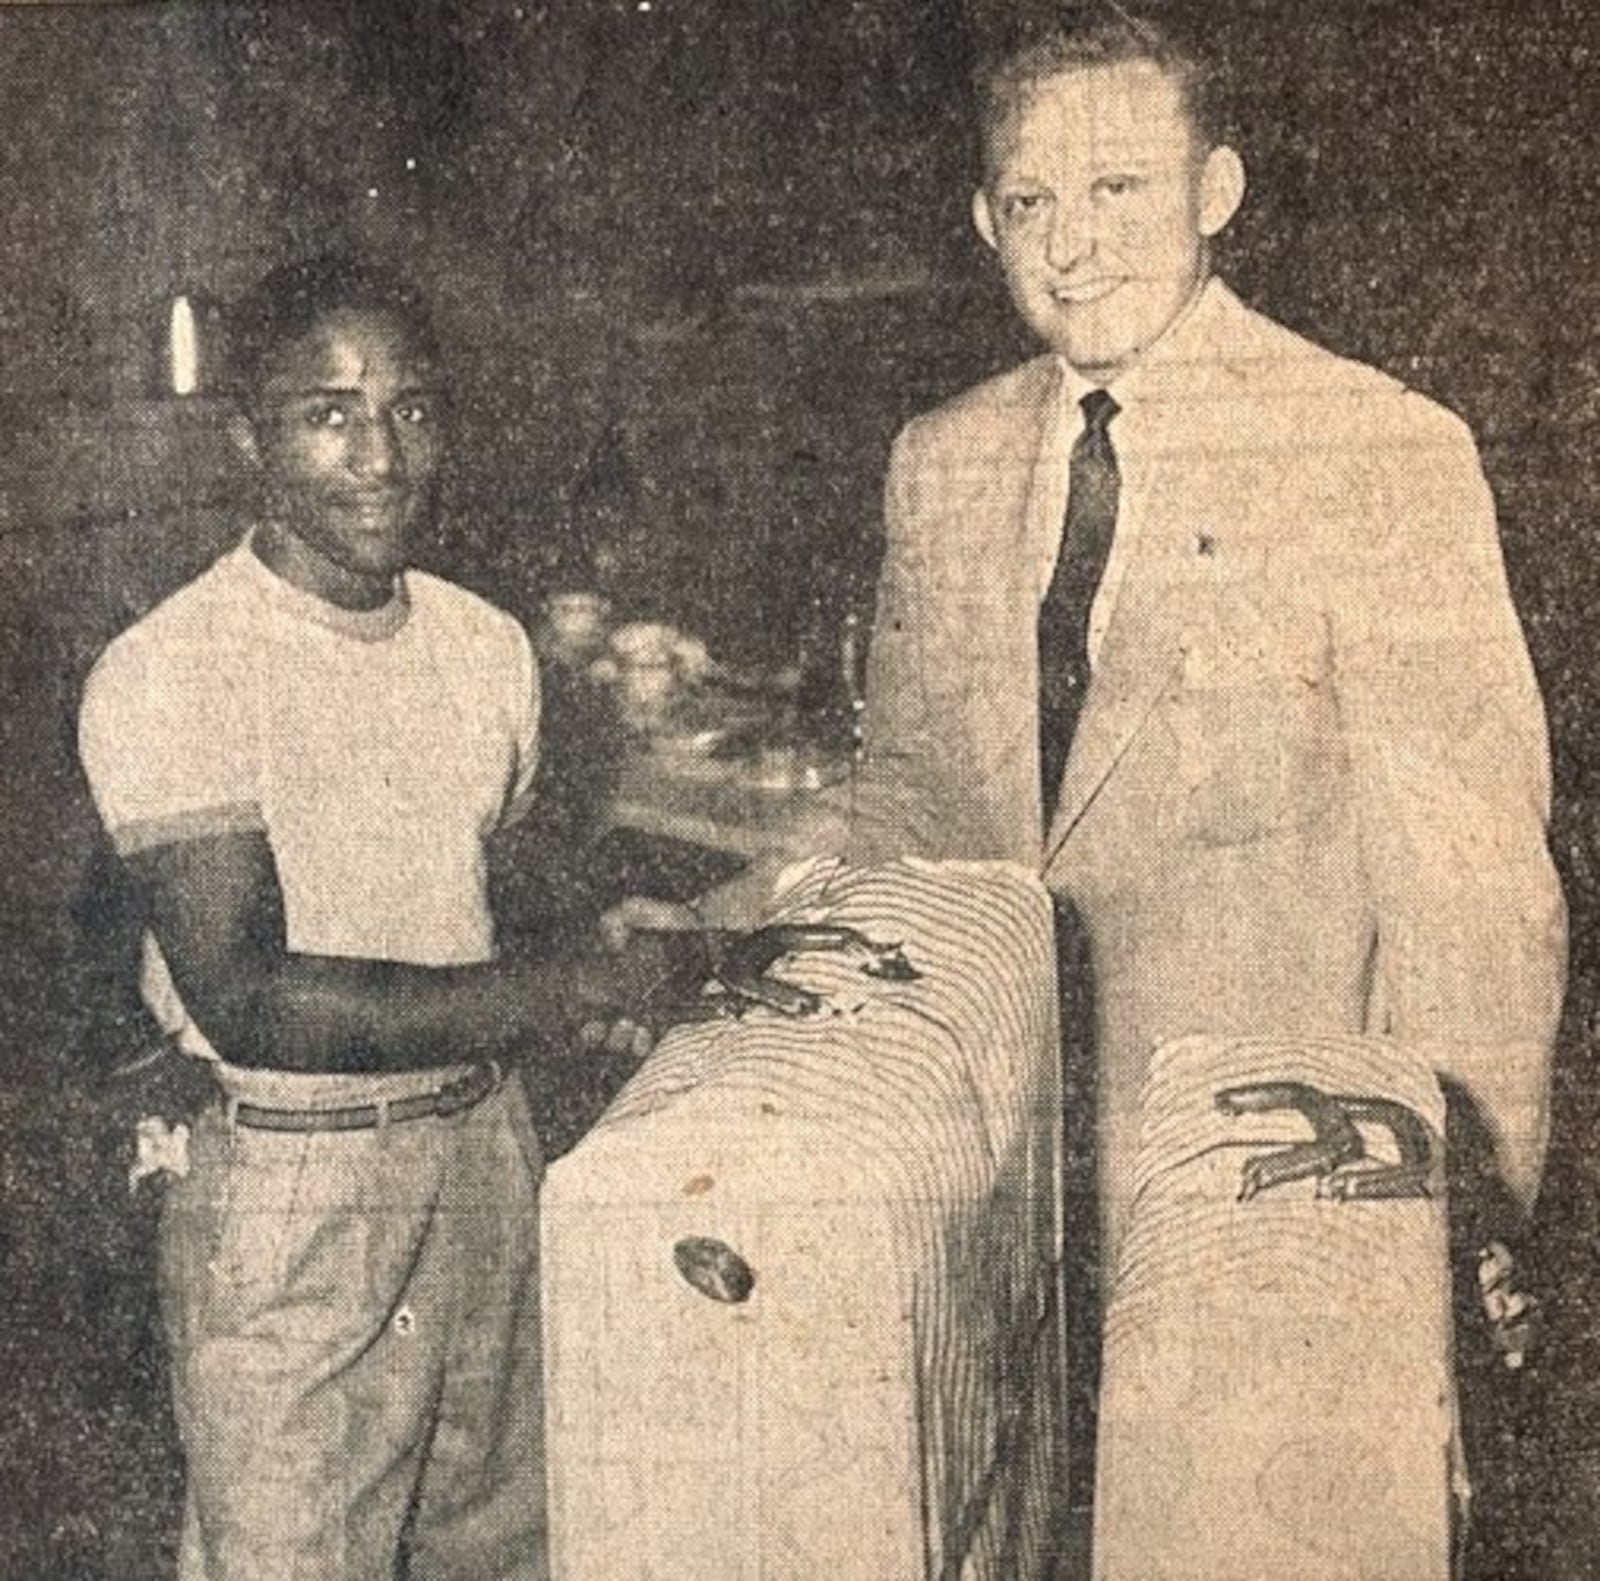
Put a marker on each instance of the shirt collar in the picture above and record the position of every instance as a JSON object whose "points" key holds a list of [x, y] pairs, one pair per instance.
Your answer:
{"points": [[365, 625], [1074, 386], [1172, 352]]}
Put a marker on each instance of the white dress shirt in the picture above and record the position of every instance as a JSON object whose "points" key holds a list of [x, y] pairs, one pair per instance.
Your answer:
{"points": [[1133, 437]]}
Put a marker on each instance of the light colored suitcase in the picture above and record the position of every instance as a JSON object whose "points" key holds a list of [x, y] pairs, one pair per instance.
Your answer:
{"points": [[884, 1402], [1277, 1401]]}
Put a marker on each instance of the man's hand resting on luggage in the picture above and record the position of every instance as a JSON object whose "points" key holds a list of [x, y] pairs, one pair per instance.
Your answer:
{"points": [[655, 955]]}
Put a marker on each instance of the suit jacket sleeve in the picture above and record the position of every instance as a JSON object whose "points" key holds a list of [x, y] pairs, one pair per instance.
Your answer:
{"points": [[1445, 731]]}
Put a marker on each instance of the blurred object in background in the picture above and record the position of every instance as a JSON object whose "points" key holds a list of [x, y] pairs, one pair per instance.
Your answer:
{"points": [[654, 665], [573, 630]]}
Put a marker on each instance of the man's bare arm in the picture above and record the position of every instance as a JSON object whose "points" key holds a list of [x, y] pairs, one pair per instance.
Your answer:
{"points": [[217, 912]]}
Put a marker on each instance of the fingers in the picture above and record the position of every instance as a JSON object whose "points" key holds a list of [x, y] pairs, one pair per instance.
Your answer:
{"points": [[628, 1037], [622, 1036], [1495, 1266], [641, 914], [1511, 1312]]}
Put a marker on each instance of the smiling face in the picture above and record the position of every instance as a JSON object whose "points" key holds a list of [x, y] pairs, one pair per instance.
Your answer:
{"points": [[345, 430], [1100, 201]]}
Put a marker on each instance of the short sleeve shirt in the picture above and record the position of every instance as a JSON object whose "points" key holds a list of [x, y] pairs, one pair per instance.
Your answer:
{"points": [[375, 749]]}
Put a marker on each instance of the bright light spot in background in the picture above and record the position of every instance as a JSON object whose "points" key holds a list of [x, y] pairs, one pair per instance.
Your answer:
{"points": [[184, 344], [644, 5]]}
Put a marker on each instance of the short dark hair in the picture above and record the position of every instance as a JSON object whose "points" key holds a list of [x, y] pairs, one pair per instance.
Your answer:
{"points": [[287, 303], [1035, 47]]}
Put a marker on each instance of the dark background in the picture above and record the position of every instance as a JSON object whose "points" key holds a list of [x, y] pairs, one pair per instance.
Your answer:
{"points": [[694, 262]]}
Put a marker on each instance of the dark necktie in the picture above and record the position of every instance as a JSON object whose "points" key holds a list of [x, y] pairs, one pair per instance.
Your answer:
{"points": [[1064, 615]]}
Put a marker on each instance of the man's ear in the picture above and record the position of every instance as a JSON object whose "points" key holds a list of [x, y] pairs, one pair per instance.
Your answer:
{"points": [[243, 434], [1222, 184], [983, 217]]}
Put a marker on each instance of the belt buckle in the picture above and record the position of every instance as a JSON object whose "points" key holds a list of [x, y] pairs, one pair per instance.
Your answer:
{"points": [[472, 1089]]}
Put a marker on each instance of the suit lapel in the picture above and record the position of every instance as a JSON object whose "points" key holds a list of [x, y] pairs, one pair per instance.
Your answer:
{"points": [[1137, 661], [1189, 373], [1022, 508], [988, 570]]}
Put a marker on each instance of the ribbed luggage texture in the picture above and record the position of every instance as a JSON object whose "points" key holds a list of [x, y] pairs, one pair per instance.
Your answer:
{"points": [[1277, 1401], [885, 1402]]}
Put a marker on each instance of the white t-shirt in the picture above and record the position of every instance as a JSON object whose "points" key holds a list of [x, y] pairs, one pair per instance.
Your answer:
{"points": [[375, 749]]}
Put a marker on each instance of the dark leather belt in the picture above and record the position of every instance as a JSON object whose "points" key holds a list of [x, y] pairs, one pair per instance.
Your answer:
{"points": [[453, 1098]]}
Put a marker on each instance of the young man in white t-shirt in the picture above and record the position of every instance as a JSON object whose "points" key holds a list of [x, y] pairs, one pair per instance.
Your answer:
{"points": [[304, 757]]}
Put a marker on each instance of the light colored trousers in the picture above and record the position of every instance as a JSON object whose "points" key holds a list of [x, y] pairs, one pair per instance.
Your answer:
{"points": [[353, 1325]]}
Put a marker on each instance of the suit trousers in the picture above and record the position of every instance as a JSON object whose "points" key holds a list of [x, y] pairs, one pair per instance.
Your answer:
{"points": [[353, 1324]]}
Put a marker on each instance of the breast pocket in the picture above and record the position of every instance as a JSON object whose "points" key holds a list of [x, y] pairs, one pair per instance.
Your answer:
{"points": [[1255, 739]]}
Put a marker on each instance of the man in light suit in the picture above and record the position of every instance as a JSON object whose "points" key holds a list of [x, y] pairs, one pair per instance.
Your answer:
{"points": [[1290, 768]]}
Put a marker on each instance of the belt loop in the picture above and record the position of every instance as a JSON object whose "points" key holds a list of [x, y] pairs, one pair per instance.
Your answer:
{"points": [[382, 1106], [230, 1114]]}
